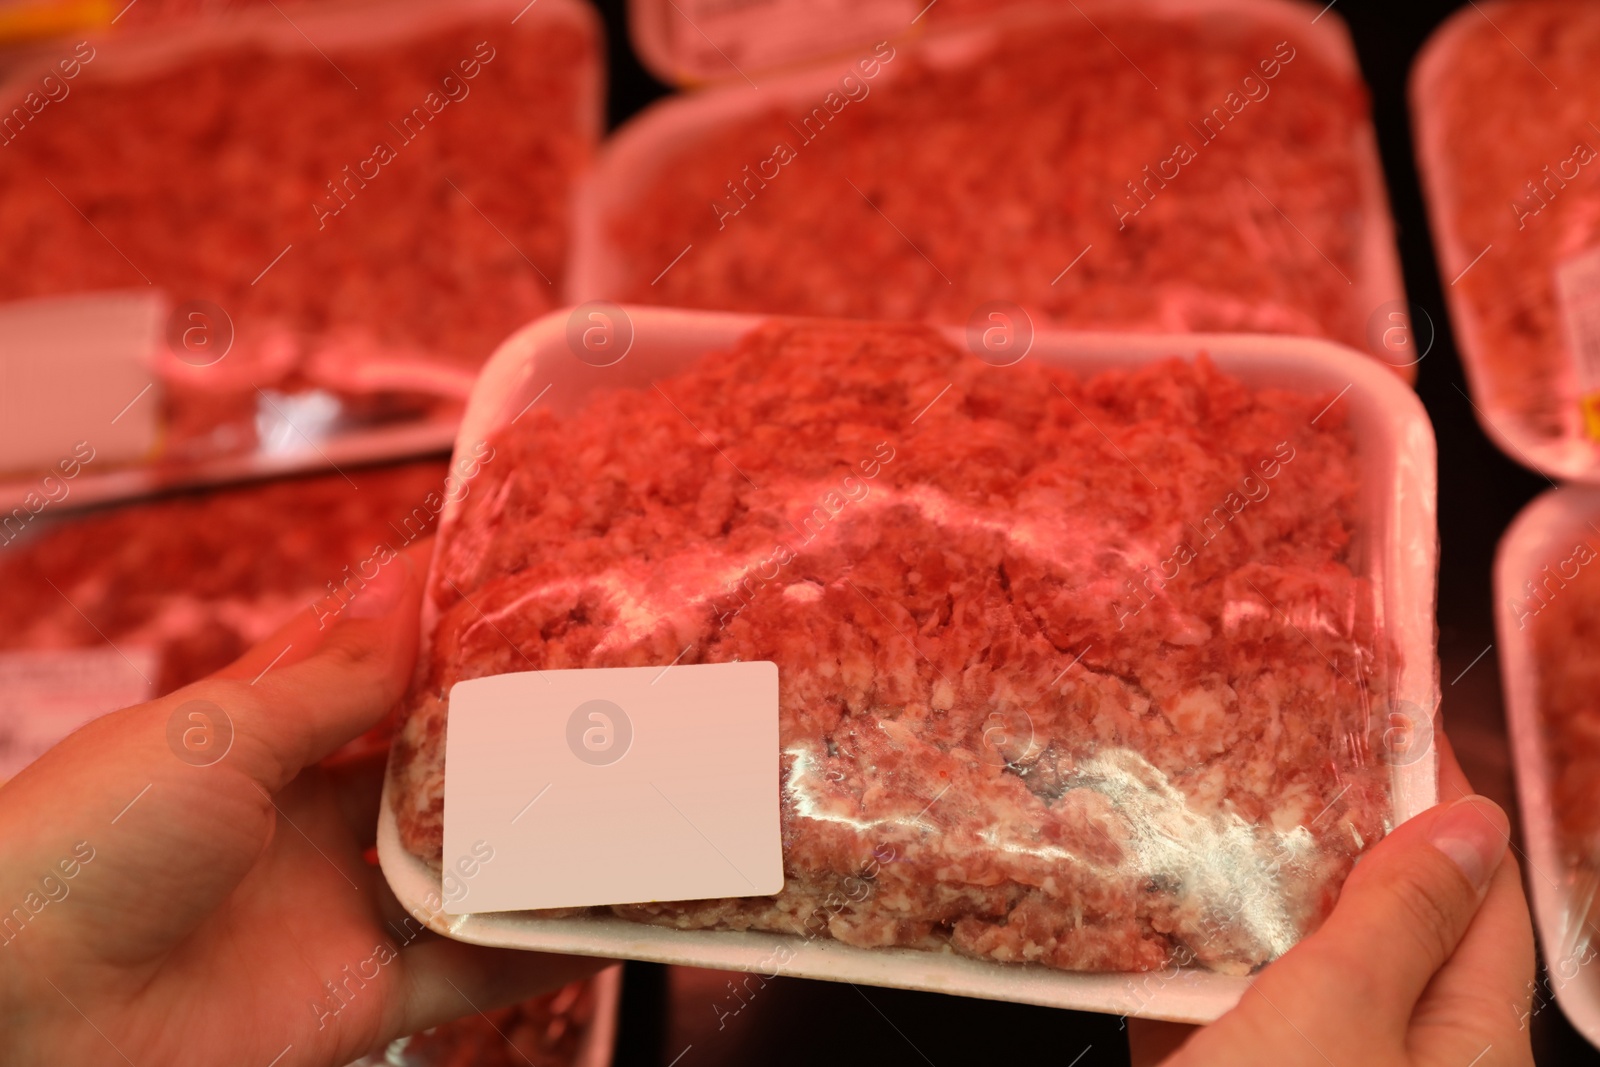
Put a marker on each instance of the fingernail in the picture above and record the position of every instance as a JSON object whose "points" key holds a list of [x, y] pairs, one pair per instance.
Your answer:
{"points": [[1472, 832], [382, 594]]}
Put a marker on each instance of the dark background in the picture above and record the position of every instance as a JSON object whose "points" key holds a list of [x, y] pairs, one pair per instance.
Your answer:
{"points": [[672, 1013]]}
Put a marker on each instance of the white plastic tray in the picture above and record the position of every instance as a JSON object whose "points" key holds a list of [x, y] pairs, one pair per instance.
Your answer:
{"points": [[1555, 520], [1396, 548], [634, 154], [339, 25]]}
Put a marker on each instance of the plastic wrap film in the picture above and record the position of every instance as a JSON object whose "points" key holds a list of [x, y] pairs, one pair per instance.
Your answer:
{"points": [[1505, 100], [350, 254], [1215, 170], [1075, 672]]}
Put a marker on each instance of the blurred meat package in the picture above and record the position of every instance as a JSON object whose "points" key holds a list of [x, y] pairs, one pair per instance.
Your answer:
{"points": [[346, 211], [1505, 103], [1547, 613], [1156, 167]]}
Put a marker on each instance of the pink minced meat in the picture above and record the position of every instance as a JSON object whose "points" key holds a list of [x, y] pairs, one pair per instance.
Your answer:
{"points": [[1227, 200], [1071, 672]]}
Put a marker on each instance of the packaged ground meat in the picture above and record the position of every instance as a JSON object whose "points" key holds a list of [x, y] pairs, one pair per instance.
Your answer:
{"points": [[1084, 662], [1504, 100], [1196, 166], [1547, 583], [350, 253]]}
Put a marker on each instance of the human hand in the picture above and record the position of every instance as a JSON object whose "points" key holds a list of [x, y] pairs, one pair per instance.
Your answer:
{"points": [[194, 914], [1426, 961]]}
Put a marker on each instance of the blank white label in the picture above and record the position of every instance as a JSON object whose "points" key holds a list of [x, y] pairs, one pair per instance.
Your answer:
{"points": [[615, 785]]}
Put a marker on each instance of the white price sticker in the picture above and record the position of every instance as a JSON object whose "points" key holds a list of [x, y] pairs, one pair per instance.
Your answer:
{"points": [[618, 785]]}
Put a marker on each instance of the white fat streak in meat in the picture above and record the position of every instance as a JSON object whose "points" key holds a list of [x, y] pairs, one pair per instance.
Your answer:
{"points": [[1227, 869], [803, 796], [699, 575]]}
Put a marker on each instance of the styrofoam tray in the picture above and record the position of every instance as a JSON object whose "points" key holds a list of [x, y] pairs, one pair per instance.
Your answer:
{"points": [[340, 25], [1555, 520], [1397, 549], [1570, 455], [635, 153]]}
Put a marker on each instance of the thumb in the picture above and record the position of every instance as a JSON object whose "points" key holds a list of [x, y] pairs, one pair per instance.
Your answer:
{"points": [[1402, 912], [324, 680]]}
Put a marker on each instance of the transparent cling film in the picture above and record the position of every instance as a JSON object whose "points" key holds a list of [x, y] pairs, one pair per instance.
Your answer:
{"points": [[1086, 670]]}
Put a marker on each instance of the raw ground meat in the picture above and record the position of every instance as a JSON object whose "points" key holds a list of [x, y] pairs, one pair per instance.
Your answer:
{"points": [[1045, 695], [1491, 123], [545, 1031], [1566, 632], [392, 303], [980, 177], [202, 577]]}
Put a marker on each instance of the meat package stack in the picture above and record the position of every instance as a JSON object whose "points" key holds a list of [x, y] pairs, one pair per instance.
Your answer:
{"points": [[1505, 102], [337, 251]]}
